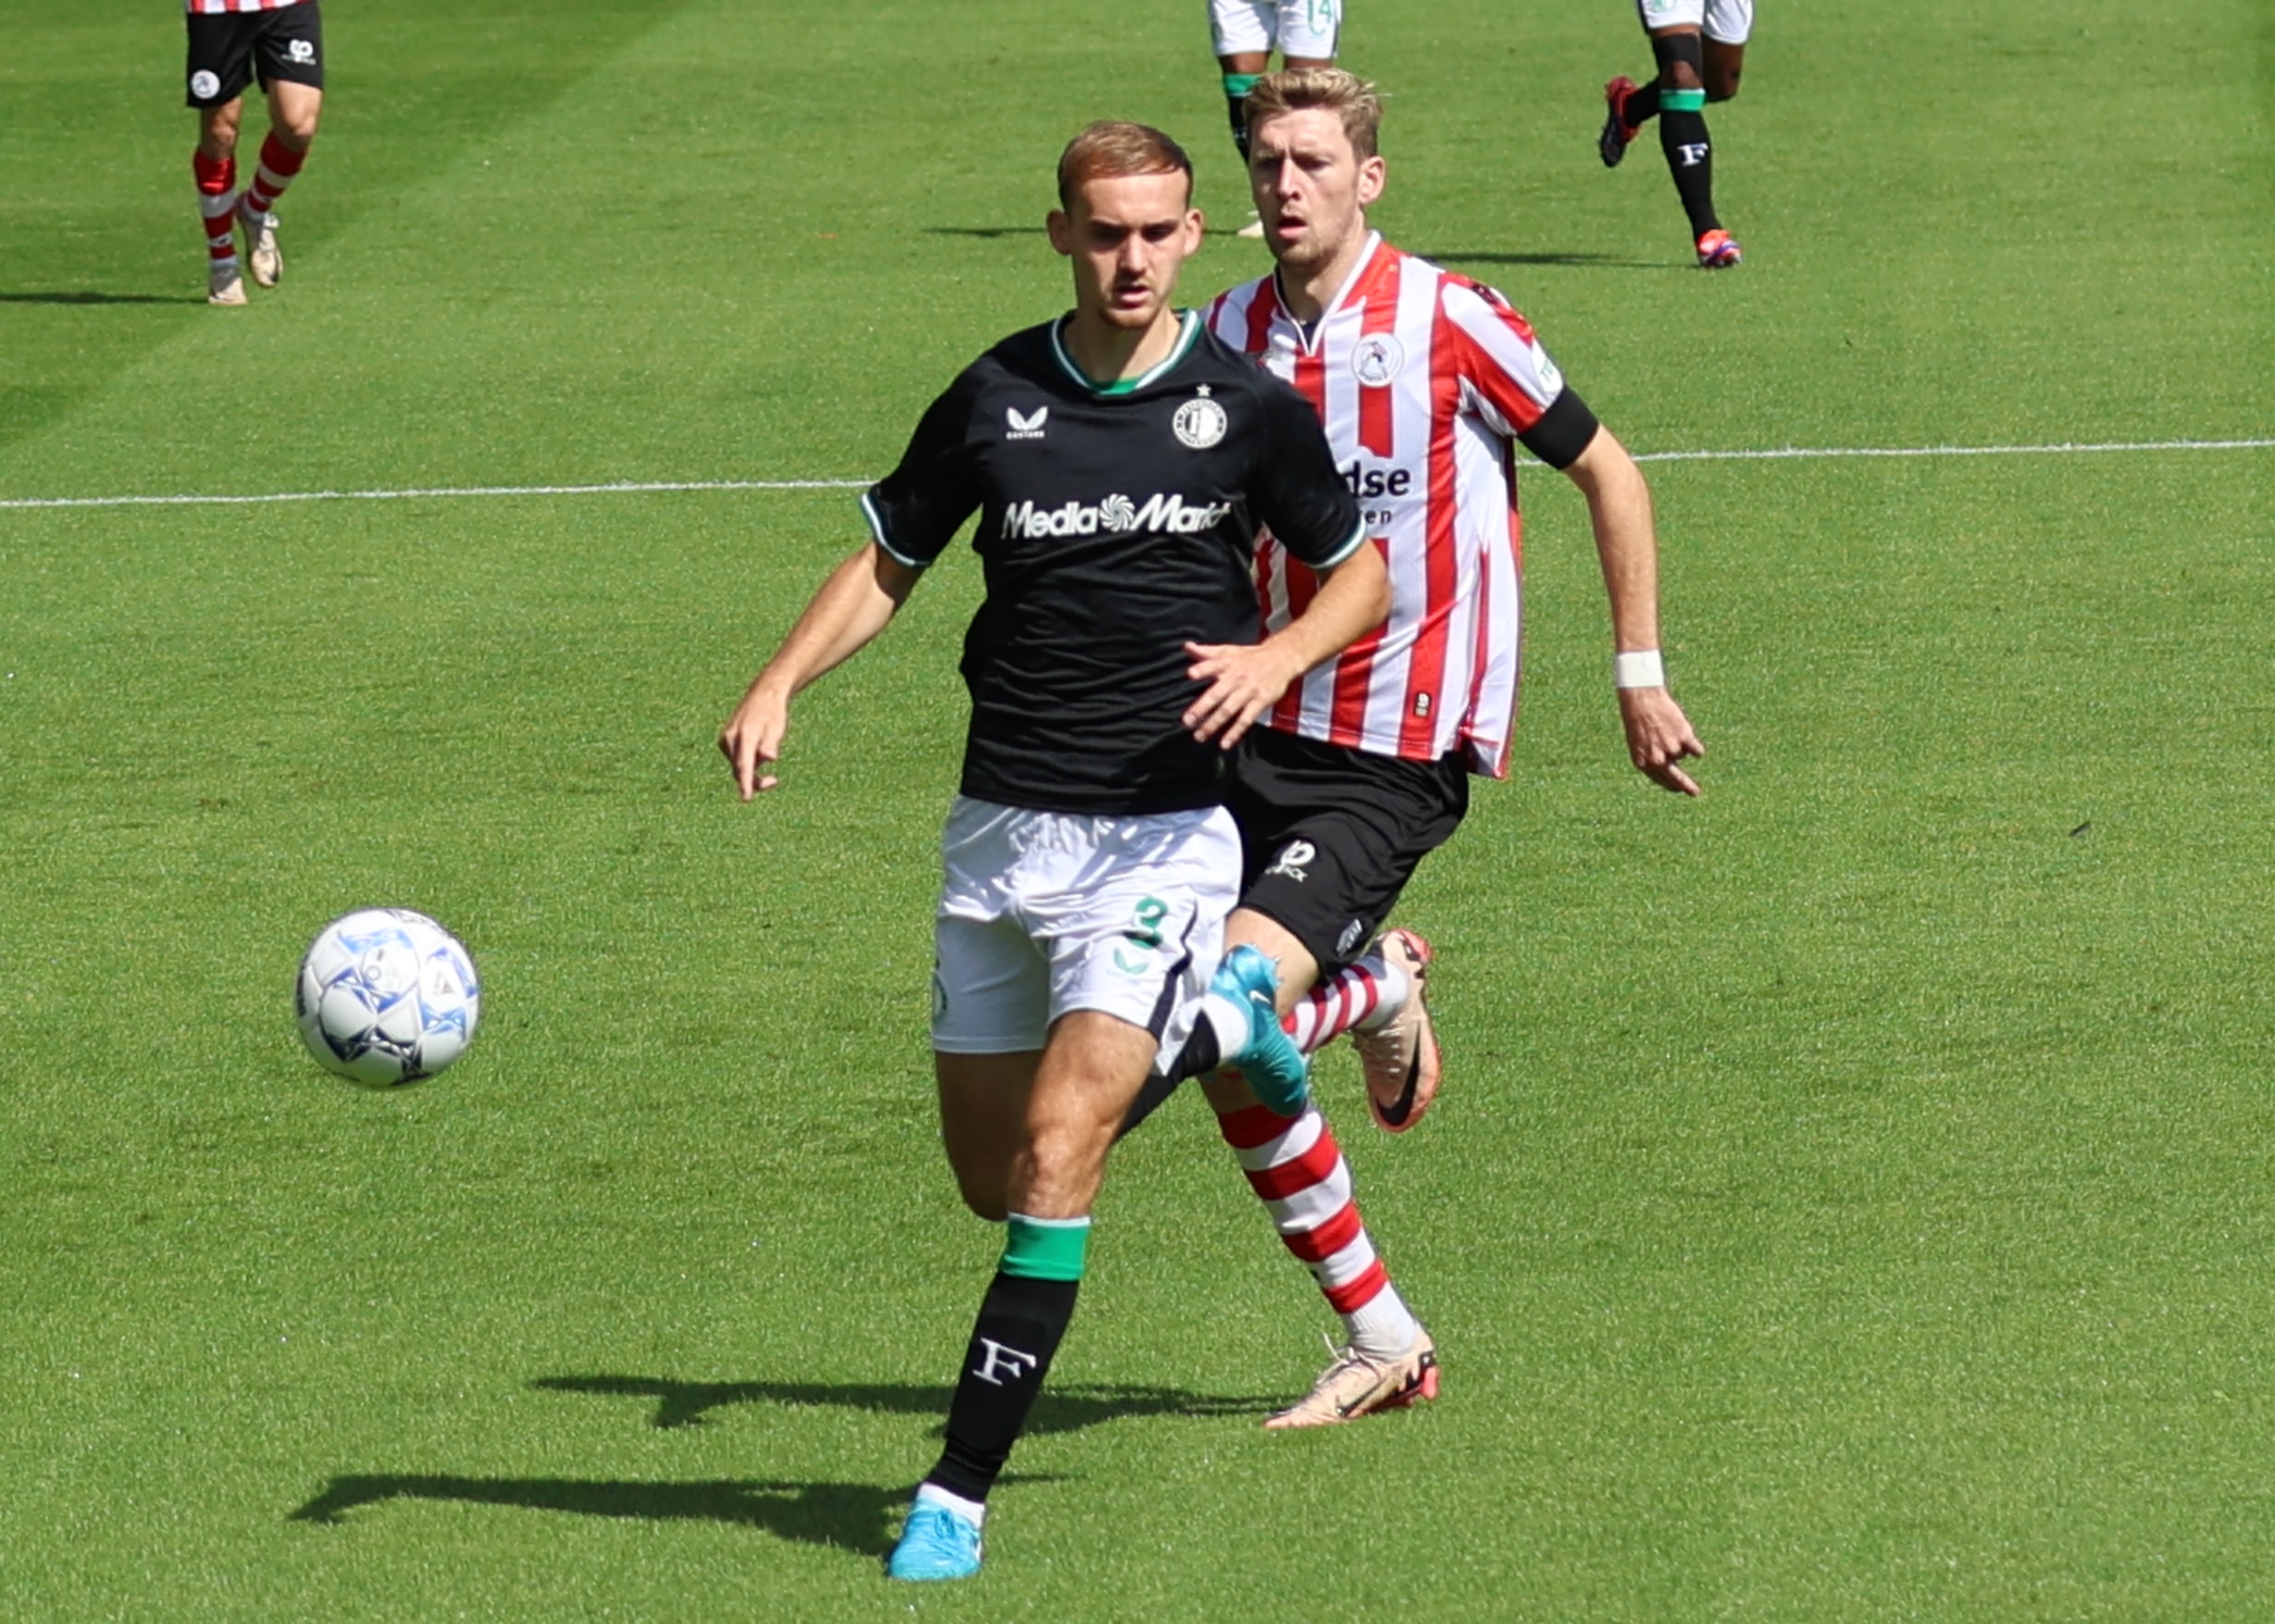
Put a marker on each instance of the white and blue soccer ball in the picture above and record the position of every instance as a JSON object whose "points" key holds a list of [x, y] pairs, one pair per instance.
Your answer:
{"points": [[387, 996]]}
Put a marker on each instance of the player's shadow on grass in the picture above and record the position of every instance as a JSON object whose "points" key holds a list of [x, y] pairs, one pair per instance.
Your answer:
{"points": [[854, 1516], [1059, 1409], [82, 298], [987, 232]]}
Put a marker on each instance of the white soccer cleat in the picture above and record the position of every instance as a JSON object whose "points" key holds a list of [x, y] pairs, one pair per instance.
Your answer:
{"points": [[1358, 1384], [267, 258], [1400, 1057], [224, 284], [1254, 230]]}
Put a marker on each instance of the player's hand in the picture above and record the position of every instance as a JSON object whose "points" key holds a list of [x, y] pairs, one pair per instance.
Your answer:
{"points": [[1244, 680], [1659, 736], [752, 738]]}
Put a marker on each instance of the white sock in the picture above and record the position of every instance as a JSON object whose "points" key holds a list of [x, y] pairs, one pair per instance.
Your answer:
{"points": [[1383, 1326], [1391, 988], [1229, 1022], [974, 1512]]}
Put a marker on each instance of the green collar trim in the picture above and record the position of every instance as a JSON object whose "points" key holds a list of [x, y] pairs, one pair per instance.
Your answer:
{"points": [[1188, 335]]}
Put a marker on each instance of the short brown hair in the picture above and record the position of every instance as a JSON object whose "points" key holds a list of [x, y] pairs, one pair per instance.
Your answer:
{"points": [[1347, 95], [1111, 148]]}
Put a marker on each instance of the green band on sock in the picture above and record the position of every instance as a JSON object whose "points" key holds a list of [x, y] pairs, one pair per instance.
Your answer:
{"points": [[1682, 100], [1238, 85], [1045, 1248]]}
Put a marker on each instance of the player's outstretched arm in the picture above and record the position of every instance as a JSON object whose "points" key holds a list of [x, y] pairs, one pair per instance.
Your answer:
{"points": [[856, 603], [1660, 735], [1245, 680]]}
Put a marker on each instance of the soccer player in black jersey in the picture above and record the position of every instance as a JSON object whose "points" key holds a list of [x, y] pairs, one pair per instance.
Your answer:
{"points": [[1122, 460]]}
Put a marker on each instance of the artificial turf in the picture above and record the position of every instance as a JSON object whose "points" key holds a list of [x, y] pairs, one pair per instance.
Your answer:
{"points": [[1849, 1197]]}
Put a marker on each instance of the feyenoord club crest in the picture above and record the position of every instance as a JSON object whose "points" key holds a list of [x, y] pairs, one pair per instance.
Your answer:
{"points": [[1200, 422], [1376, 358]]}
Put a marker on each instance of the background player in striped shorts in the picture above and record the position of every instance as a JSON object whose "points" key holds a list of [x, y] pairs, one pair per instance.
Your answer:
{"points": [[1700, 46], [232, 42], [1247, 31], [1426, 382]]}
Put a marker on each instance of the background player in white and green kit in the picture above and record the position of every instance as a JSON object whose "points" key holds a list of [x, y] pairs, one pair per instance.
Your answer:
{"points": [[1122, 460], [1247, 31], [1700, 50]]}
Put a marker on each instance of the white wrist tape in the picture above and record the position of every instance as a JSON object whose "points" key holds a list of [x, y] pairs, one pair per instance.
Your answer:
{"points": [[1641, 669]]}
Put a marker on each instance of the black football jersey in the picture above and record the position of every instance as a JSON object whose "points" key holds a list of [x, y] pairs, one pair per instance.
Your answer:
{"points": [[1117, 524]]}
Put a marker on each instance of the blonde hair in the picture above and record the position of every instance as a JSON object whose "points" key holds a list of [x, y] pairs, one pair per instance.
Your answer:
{"points": [[1111, 148], [1347, 95]]}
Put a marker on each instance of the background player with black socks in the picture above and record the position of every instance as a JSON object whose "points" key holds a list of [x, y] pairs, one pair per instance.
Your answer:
{"points": [[1246, 32], [1700, 47]]}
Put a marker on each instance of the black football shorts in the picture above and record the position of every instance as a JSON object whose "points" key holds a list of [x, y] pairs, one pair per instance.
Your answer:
{"points": [[229, 48], [1330, 836]]}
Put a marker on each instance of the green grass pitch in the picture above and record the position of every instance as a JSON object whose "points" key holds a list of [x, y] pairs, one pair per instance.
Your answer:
{"points": [[1851, 1196]]}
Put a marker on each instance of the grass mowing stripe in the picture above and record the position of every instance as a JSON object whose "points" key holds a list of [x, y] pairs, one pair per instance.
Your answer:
{"points": [[640, 488]]}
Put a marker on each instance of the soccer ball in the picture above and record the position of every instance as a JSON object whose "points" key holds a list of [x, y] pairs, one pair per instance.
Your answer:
{"points": [[387, 996]]}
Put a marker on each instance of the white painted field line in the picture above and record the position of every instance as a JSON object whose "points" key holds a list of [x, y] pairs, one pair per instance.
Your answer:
{"points": [[634, 487], [2067, 449], [618, 487]]}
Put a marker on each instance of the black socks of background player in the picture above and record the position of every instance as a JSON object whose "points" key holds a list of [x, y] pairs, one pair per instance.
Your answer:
{"points": [[1021, 1320], [1690, 156], [1682, 125], [1236, 86]]}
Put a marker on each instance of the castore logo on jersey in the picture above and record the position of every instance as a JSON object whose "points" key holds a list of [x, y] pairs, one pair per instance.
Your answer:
{"points": [[1019, 425]]}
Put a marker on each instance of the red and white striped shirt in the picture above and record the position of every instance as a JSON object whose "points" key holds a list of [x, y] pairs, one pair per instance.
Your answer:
{"points": [[216, 8], [1423, 379]]}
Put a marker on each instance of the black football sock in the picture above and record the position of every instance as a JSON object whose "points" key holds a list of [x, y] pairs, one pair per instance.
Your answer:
{"points": [[1690, 156], [1641, 107], [1204, 1051], [1021, 1320], [1236, 86]]}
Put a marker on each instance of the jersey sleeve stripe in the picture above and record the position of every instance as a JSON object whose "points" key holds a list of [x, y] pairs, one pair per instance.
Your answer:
{"points": [[1505, 362], [884, 542]]}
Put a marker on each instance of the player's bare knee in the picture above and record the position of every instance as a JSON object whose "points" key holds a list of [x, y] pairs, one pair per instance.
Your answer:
{"points": [[1721, 83], [1682, 59], [217, 129]]}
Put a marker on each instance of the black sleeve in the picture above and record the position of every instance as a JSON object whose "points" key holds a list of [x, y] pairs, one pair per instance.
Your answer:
{"points": [[1296, 488], [1562, 432], [915, 510]]}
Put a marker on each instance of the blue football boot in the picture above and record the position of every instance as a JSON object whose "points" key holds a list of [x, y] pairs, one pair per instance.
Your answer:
{"points": [[937, 1542], [1277, 1070]]}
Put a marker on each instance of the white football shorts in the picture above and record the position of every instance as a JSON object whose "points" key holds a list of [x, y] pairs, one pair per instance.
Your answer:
{"points": [[1305, 29], [1041, 913], [1727, 22]]}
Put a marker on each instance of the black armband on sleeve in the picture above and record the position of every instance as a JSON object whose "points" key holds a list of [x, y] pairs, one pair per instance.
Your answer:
{"points": [[1563, 431]]}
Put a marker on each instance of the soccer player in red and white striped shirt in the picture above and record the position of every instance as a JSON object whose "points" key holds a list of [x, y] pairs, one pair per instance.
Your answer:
{"points": [[1426, 382], [231, 41]]}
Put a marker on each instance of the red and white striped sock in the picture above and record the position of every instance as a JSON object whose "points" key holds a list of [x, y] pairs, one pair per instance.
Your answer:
{"points": [[1298, 1170], [217, 202], [1365, 994], [279, 164]]}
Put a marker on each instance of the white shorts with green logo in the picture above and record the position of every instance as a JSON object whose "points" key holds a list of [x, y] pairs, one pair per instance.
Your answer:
{"points": [[1729, 22], [1305, 29], [1042, 913]]}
